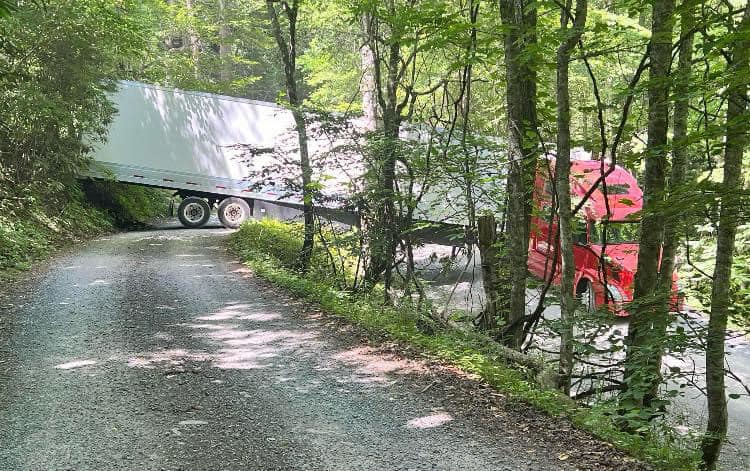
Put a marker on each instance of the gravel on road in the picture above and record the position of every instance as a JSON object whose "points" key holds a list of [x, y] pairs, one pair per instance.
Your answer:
{"points": [[155, 350]]}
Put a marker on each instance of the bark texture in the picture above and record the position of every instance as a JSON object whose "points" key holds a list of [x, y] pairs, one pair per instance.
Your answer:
{"points": [[384, 226], [193, 40], [562, 185], [288, 52], [487, 239], [225, 49], [519, 19], [367, 83], [643, 358], [736, 141], [680, 146]]}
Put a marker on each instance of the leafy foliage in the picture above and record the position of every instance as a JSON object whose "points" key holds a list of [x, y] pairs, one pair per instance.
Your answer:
{"points": [[57, 62], [442, 75], [33, 229]]}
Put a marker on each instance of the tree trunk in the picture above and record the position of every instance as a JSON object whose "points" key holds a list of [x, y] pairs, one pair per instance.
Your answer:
{"points": [[367, 83], [734, 146], [288, 54], [644, 347], [562, 180], [519, 18], [384, 230], [193, 41], [487, 239], [679, 147], [225, 49]]}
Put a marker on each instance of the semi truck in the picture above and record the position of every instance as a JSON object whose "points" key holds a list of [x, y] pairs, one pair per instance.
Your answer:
{"points": [[204, 147], [607, 232]]}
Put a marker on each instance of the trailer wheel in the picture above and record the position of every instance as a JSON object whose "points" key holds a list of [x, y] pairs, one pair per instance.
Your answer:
{"points": [[193, 212], [233, 212], [586, 295]]}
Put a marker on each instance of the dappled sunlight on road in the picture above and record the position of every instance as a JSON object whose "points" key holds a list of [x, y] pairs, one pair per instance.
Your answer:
{"points": [[247, 358], [174, 357], [258, 336], [171, 237], [231, 311], [372, 365], [71, 365], [99, 283], [247, 336], [253, 348], [429, 421]]}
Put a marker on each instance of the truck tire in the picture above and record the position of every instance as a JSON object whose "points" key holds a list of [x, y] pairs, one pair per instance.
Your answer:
{"points": [[194, 212], [233, 212]]}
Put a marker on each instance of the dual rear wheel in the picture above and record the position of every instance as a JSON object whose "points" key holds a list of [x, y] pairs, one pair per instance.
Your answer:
{"points": [[195, 212]]}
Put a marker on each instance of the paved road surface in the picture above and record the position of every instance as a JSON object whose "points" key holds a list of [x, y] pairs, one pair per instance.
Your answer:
{"points": [[155, 351]]}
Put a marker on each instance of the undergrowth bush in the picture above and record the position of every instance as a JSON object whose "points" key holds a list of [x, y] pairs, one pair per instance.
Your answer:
{"points": [[36, 220], [270, 238], [270, 248], [127, 205]]}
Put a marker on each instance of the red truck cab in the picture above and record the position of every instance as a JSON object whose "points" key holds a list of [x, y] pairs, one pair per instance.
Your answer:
{"points": [[607, 225]]}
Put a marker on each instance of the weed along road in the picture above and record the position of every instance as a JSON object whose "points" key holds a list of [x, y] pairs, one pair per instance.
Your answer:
{"points": [[156, 350]]}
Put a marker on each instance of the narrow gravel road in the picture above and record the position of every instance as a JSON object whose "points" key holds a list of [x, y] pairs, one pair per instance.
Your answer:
{"points": [[156, 351]]}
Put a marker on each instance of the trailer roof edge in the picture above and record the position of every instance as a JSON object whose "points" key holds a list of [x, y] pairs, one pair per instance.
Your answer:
{"points": [[204, 94]]}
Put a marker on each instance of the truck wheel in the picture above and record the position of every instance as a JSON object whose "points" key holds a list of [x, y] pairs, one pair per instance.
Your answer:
{"points": [[193, 212], [233, 212], [586, 295]]}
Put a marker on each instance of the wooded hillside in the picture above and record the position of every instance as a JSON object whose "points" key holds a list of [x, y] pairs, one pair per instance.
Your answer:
{"points": [[506, 91]]}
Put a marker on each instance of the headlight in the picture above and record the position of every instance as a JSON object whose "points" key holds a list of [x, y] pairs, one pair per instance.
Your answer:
{"points": [[615, 294]]}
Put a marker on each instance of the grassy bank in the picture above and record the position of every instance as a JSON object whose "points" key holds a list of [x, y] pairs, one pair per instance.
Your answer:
{"points": [[36, 221], [269, 248]]}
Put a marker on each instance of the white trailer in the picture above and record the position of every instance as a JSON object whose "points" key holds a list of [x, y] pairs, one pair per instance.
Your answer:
{"points": [[186, 141], [197, 144]]}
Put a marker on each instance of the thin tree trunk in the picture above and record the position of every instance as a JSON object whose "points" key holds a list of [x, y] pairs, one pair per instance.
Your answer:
{"points": [[734, 146], [367, 83], [288, 54], [644, 348], [562, 177], [195, 49], [464, 111], [385, 231], [663, 291], [519, 18], [225, 49], [385, 228], [487, 240], [680, 146]]}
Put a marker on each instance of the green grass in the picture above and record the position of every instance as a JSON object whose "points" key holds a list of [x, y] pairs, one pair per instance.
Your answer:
{"points": [[270, 249]]}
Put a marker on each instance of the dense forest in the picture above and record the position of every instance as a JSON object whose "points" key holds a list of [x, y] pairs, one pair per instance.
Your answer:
{"points": [[659, 88]]}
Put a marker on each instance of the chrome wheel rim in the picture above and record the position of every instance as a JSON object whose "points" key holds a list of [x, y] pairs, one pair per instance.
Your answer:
{"points": [[193, 212], [234, 213]]}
